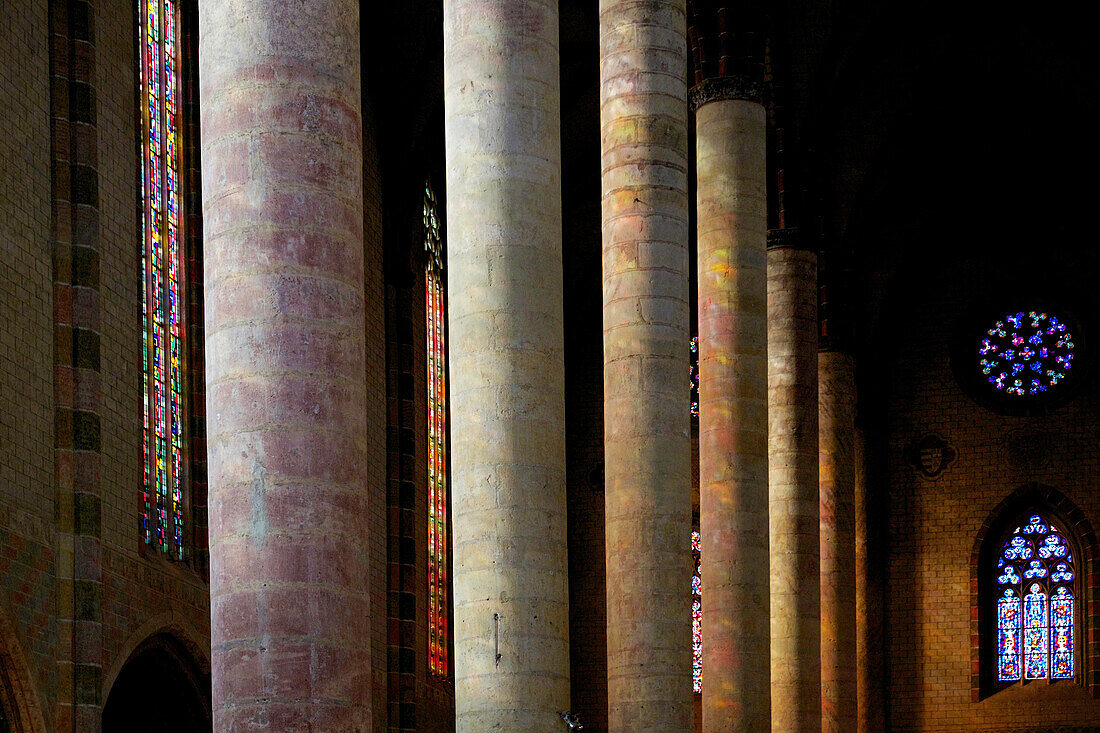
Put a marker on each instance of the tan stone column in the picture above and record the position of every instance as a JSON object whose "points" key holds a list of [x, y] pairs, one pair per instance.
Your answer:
{"points": [[793, 485], [733, 406], [286, 365], [643, 96], [506, 364], [836, 425]]}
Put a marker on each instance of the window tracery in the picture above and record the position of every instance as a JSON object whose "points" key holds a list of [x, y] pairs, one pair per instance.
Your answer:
{"points": [[162, 276], [1036, 606], [1026, 353]]}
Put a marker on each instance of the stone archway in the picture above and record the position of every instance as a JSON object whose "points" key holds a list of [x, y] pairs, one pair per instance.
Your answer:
{"points": [[160, 689], [19, 708]]}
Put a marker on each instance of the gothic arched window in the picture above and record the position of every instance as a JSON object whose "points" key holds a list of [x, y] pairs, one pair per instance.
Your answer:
{"points": [[163, 274], [438, 496], [1037, 602]]}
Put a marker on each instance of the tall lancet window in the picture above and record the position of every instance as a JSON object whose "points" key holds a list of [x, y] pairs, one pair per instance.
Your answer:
{"points": [[438, 495], [1036, 604], [696, 615], [162, 274]]}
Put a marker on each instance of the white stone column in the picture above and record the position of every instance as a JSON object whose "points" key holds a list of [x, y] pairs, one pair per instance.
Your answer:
{"points": [[643, 98], [733, 403], [504, 285]]}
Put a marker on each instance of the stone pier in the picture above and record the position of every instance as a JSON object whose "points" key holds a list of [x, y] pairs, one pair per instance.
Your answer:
{"points": [[836, 425], [285, 365], [793, 485], [733, 407], [643, 111], [511, 601]]}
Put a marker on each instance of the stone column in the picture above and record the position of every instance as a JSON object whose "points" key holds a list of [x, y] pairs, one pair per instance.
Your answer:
{"points": [[511, 604], [836, 423], [870, 665], [793, 485], [285, 365], [733, 407], [643, 97]]}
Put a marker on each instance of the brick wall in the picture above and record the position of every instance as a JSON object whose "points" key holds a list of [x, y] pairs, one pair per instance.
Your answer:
{"points": [[933, 523], [27, 536]]}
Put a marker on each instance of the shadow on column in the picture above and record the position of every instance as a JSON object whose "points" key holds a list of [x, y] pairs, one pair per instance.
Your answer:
{"points": [[160, 690]]}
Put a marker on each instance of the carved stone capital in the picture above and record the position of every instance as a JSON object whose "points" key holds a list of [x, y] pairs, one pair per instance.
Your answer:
{"points": [[724, 88], [789, 238]]}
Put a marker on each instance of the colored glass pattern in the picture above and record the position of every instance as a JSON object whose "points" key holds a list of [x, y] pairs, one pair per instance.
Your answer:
{"points": [[1008, 636], [1026, 353], [162, 275], [438, 497], [1035, 633], [693, 376], [1061, 634], [696, 615], [1035, 604]]}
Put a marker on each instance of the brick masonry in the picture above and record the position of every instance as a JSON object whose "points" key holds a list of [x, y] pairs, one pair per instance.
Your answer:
{"points": [[935, 526], [28, 557]]}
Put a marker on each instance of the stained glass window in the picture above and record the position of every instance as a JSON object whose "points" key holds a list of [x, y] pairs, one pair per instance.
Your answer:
{"points": [[696, 615], [1026, 353], [161, 275], [438, 574], [1035, 604], [693, 376]]}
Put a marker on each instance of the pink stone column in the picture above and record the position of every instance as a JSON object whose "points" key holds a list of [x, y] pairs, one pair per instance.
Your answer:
{"points": [[511, 597], [285, 365], [643, 97], [836, 425], [733, 405], [793, 485]]}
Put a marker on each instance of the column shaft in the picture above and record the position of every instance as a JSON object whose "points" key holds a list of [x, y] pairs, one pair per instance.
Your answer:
{"points": [[643, 97], [733, 414], [285, 365], [793, 490], [870, 665], [836, 423], [501, 91]]}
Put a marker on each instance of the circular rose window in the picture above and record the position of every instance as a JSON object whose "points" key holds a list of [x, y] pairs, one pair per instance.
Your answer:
{"points": [[1026, 354]]}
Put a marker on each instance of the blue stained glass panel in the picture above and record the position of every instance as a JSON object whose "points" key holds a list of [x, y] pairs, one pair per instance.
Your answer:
{"points": [[1061, 634], [1008, 636], [1035, 634]]}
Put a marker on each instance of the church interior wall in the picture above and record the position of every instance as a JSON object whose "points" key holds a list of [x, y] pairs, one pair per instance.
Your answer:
{"points": [[139, 583], [930, 523], [933, 523], [27, 534]]}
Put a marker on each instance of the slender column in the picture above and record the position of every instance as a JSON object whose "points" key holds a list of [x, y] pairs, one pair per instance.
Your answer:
{"points": [[869, 635], [643, 98], [511, 632], [733, 407], [836, 423], [286, 365], [793, 485]]}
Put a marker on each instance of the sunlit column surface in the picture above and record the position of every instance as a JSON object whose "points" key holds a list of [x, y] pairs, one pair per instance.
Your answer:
{"points": [[285, 365], [504, 286], [733, 407], [643, 98], [793, 485]]}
